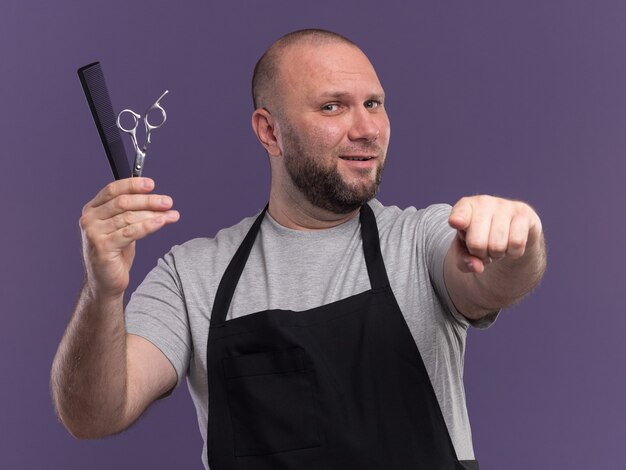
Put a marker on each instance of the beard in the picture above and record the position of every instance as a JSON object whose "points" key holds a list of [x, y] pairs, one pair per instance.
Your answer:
{"points": [[323, 186]]}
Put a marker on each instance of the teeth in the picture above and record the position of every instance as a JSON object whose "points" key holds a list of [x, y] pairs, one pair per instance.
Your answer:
{"points": [[356, 159]]}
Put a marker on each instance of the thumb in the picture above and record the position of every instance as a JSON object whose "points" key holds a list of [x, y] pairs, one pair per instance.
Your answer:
{"points": [[465, 262]]}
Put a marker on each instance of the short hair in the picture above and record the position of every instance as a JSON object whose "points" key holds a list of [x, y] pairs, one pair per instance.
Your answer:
{"points": [[266, 70]]}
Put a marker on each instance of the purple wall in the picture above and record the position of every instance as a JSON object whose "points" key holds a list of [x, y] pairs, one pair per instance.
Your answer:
{"points": [[520, 99]]}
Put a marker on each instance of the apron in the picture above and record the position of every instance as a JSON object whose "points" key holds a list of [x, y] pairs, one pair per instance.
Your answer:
{"points": [[334, 387]]}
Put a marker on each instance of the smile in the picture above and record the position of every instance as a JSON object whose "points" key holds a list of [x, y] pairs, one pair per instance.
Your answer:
{"points": [[357, 159]]}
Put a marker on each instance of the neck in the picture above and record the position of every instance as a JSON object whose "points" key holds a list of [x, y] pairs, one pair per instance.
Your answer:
{"points": [[299, 214]]}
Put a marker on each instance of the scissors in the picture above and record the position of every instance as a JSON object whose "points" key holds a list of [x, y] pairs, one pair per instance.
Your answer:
{"points": [[140, 153]]}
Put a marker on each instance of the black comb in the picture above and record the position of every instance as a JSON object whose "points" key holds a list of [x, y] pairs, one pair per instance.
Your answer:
{"points": [[92, 80]]}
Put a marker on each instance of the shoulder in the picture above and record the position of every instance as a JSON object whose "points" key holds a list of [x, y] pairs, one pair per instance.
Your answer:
{"points": [[392, 219], [414, 236], [227, 238], [199, 253]]}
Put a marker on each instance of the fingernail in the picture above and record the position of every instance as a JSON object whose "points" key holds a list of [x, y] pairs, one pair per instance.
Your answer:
{"points": [[147, 184], [468, 263], [165, 201]]}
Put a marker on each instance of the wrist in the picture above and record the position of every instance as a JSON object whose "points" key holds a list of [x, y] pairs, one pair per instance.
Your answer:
{"points": [[105, 299]]}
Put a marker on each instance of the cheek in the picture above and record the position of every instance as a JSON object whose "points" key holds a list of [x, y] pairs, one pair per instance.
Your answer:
{"points": [[326, 136], [384, 126]]}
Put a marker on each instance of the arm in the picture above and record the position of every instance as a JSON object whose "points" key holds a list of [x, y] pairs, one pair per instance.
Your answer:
{"points": [[103, 379], [497, 257]]}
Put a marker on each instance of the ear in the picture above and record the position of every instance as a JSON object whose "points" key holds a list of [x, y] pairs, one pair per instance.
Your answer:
{"points": [[264, 126]]}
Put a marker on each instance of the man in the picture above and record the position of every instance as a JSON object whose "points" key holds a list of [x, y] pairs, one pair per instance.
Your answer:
{"points": [[326, 333]]}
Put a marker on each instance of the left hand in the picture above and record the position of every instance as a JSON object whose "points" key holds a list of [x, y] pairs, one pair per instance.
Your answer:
{"points": [[490, 229]]}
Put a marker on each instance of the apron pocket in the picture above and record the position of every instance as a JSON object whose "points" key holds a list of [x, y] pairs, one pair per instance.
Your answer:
{"points": [[271, 397]]}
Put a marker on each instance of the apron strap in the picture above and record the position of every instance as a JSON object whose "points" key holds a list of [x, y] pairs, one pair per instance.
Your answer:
{"points": [[231, 276], [371, 248]]}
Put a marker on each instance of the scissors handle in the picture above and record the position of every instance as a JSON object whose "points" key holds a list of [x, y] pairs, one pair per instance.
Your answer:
{"points": [[140, 152], [136, 117], [150, 126]]}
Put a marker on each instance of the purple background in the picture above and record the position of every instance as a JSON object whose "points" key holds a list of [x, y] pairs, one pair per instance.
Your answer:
{"points": [[524, 99]]}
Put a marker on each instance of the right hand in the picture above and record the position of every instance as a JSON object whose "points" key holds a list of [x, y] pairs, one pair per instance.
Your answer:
{"points": [[121, 213]]}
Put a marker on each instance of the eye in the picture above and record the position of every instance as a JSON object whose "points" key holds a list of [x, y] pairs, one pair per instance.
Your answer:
{"points": [[330, 108], [372, 104]]}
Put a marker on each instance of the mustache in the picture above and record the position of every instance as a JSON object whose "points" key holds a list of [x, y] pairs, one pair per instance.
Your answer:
{"points": [[363, 149]]}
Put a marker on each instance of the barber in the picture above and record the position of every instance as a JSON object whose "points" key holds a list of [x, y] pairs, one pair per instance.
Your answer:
{"points": [[326, 332]]}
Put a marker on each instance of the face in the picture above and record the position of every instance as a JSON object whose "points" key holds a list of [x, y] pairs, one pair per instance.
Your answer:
{"points": [[332, 126]]}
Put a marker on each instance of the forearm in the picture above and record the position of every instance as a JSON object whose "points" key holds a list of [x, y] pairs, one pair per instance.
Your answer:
{"points": [[101, 381], [89, 373]]}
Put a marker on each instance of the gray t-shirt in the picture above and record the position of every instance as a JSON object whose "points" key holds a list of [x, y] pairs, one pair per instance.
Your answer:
{"points": [[298, 270]]}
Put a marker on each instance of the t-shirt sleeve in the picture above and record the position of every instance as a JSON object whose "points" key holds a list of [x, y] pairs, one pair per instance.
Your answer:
{"points": [[157, 312], [438, 238]]}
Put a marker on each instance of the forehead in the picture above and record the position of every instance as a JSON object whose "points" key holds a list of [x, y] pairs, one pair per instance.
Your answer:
{"points": [[308, 71]]}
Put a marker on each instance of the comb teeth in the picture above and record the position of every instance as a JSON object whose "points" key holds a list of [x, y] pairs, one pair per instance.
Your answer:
{"points": [[94, 86], [100, 96]]}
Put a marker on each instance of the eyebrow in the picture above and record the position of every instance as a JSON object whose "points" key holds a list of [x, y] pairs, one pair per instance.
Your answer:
{"points": [[337, 95]]}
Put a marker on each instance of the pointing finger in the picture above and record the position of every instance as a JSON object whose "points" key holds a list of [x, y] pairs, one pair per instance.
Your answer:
{"points": [[465, 262], [477, 237], [461, 215]]}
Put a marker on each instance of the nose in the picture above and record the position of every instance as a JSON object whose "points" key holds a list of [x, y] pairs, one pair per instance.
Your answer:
{"points": [[365, 126]]}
